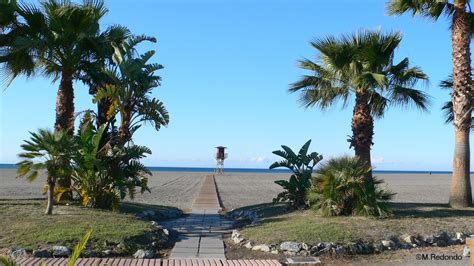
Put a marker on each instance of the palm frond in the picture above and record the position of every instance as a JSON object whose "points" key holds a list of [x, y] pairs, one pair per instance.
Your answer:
{"points": [[428, 8]]}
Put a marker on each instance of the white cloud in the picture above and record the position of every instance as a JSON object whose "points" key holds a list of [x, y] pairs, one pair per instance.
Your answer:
{"points": [[377, 160], [259, 159]]}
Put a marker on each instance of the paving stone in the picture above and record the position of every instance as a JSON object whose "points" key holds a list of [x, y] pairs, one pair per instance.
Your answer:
{"points": [[211, 250], [201, 231]]}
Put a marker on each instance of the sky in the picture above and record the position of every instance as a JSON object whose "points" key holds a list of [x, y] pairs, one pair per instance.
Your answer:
{"points": [[228, 65]]}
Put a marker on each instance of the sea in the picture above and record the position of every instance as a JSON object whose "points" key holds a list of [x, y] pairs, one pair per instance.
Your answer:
{"points": [[252, 170]]}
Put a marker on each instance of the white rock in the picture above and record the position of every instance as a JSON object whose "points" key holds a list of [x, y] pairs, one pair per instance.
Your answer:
{"points": [[166, 232], [290, 246], [466, 252], [18, 253], [407, 238], [274, 251], [236, 237], [61, 251], [388, 243], [238, 240], [262, 247], [248, 245], [144, 254], [235, 233], [305, 246]]}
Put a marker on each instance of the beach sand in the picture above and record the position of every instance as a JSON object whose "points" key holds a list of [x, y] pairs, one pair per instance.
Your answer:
{"points": [[178, 189]]}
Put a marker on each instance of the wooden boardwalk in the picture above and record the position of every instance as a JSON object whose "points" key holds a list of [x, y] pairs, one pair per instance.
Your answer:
{"points": [[146, 262]]}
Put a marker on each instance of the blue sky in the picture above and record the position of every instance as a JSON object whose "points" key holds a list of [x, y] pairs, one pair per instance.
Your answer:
{"points": [[227, 69]]}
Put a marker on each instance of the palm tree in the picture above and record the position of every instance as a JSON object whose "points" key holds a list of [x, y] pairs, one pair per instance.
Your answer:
{"points": [[116, 42], [54, 150], [456, 10], [59, 37], [133, 80], [11, 27], [8, 15], [448, 106], [55, 39], [339, 188], [361, 65]]}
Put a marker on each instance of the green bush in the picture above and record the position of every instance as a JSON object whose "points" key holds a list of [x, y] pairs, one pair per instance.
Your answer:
{"points": [[340, 188], [103, 173], [301, 165]]}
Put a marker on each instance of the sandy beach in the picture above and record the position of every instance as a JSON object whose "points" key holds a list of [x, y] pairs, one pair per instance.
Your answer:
{"points": [[178, 189]]}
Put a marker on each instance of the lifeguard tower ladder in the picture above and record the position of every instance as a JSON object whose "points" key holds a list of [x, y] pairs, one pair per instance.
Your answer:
{"points": [[221, 155]]}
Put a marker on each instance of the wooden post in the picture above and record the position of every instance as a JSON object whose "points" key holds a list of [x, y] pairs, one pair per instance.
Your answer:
{"points": [[470, 244]]}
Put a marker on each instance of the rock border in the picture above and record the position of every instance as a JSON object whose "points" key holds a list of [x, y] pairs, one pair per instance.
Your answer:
{"points": [[405, 241]]}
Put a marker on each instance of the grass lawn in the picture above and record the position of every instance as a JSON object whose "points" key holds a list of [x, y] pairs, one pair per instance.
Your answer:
{"points": [[23, 224], [306, 226]]}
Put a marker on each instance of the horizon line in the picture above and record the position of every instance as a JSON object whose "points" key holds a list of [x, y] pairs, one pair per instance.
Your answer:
{"points": [[12, 165]]}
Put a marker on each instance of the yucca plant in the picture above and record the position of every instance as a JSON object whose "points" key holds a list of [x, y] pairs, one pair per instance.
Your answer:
{"points": [[301, 165], [340, 188]]}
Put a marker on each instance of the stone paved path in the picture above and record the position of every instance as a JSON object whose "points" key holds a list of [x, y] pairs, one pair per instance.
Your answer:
{"points": [[200, 239], [200, 233]]}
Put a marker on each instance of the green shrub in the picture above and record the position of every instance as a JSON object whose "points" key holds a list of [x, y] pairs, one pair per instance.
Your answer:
{"points": [[340, 188], [104, 173], [301, 165]]}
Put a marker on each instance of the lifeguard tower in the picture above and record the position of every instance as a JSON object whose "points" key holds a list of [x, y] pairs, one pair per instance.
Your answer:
{"points": [[221, 155]]}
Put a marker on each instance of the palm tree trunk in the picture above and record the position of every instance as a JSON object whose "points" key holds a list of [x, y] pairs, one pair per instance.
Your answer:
{"points": [[65, 118], [103, 107], [460, 194], [65, 104], [124, 133], [50, 197], [362, 130]]}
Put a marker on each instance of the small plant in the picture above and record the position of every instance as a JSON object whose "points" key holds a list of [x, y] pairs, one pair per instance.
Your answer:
{"points": [[4, 261], [301, 165], [50, 151], [79, 248], [340, 188]]}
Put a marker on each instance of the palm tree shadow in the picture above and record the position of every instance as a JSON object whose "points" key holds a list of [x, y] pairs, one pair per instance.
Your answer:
{"points": [[428, 210]]}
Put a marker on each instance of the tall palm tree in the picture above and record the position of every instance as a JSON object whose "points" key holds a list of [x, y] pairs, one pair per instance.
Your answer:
{"points": [[54, 152], [56, 39], [448, 106], [361, 65], [133, 79], [457, 10], [116, 42]]}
